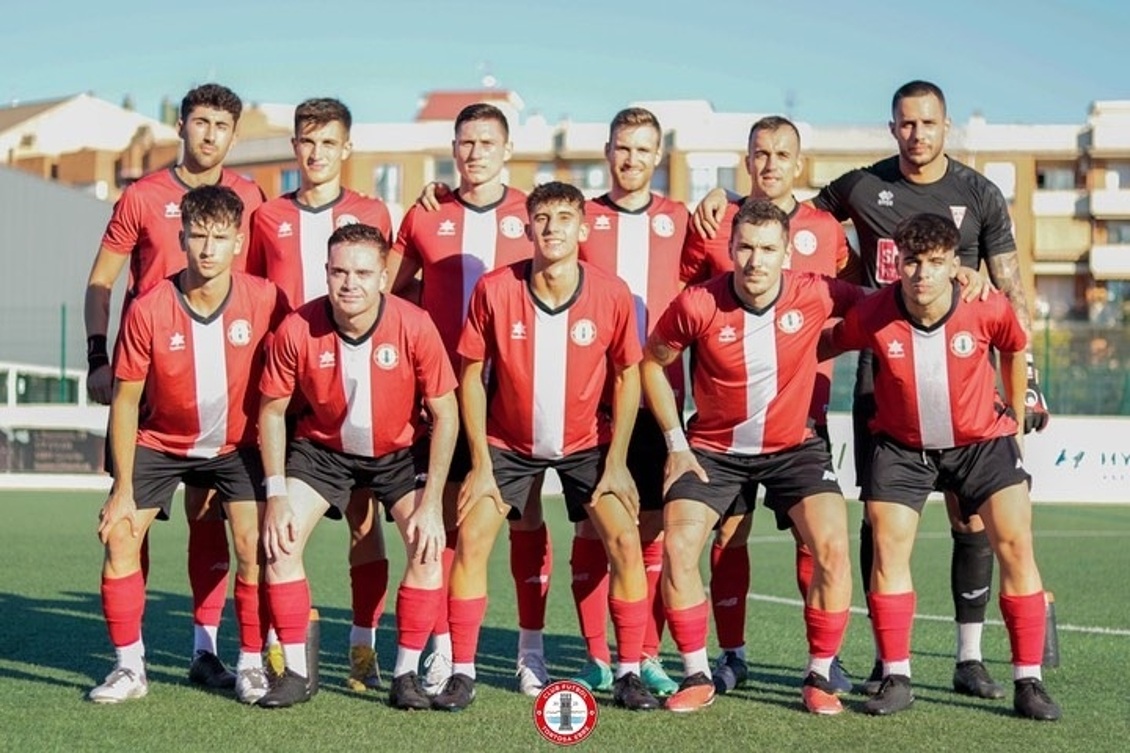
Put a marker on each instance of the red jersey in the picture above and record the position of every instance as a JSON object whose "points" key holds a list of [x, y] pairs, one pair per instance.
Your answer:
{"points": [[935, 387], [455, 246], [548, 368], [362, 395], [753, 370], [817, 244], [146, 225], [288, 239], [201, 375]]}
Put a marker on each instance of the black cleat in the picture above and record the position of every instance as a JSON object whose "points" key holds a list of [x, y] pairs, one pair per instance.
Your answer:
{"points": [[1033, 702], [288, 690], [207, 670], [870, 686], [457, 694], [629, 692], [730, 671], [894, 695], [408, 694], [971, 678]]}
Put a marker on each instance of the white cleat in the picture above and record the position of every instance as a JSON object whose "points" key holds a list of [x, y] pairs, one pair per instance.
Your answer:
{"points": [[438, 671], [532, 674], [251, 684], [120, 685]]}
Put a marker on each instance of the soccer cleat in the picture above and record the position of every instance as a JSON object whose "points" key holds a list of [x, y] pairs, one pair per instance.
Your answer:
{"points": [[730, 671], [1033, 702], [364, 674], [820, 696], [894, 695], [273, 662], [288, 690], [251, 684], [207, 670], [408, 694], [870, 686], [439, 670], [630, 693], [971, 678], [532, 674], [121, 685], [656, 678], [694, 693], [841, 683], [456, 695], [595, 675]]}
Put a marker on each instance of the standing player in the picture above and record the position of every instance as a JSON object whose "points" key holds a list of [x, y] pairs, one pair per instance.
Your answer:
{"points": [[143, 232], [555, 333], [816, 244], [637, 235], [186, 371], [470, 231], [939, 423], [754, 333], [288, 247], [362, 362]]}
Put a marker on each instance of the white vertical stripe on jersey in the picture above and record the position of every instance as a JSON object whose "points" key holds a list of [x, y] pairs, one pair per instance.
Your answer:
{"points": [[932, 388], [759, 344], [210, 364], [356, 364], [315, 229], [551, 348], [633, 254], [480, 239]]}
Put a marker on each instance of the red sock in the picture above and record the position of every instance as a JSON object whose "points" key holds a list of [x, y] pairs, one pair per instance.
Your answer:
{"points": [[123, 604], [825, 631], [629, 620], [290, 609], [415, 615], [1024, 617], [531, 561], [653, 567], [688, 627], [448, 559], [805, 566], [247, 614], [208, 563], [466, 617], [369, 584], [892, 616], [590, 595], [729, 586]]}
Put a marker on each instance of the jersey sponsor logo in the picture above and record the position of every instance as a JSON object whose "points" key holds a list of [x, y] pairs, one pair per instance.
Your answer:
{"points": [[962, 344], [583, 332], [663, 225], [958, 214], [886, 198], [804, 242], [346, 219], [790, 322], [727, 334], [172, 209], [565, 712], [518, 331], [829, 476], [446, 229], [386, 356], [602, 223], [239, 332], [512, 227], [886, 261], [285, 230], [177, 342], [327, 359], [895, 349]]}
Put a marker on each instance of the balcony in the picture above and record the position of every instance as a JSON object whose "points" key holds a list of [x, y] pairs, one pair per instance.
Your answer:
{"points": [[1111, 261], [1110, 204], [1060, 203]]}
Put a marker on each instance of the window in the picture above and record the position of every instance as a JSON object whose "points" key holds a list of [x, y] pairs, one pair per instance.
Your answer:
{"points": [[289, 180], [661, 180], [704, 179], [1055, 177], [1118, 176], [386, 183], [1118, 232], [3, 388], [35, 389], [546, 173], [444, 171], [589, 176], [1003, 174]]}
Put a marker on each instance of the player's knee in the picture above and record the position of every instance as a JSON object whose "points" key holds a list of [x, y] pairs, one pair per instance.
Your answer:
{"points": [[1015, 549], [624, 547]]}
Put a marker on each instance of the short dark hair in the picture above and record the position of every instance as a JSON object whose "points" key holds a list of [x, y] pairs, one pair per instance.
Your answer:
{"points": [[214, 96], [482, 111], [773, 123], [359, 233], [917, 88], [923, 233], [633, 117], [554, 192], [759, 212], [319, 111], [211, 205]]}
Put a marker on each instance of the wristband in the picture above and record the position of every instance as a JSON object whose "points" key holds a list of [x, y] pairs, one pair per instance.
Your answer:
{"points": [[676, 440], [96, 356], [276, 486]]}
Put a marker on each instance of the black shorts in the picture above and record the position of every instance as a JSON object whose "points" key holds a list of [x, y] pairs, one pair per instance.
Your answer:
{"points": [[515, 474], [862, 411], [788, 477], [334, 475], [974, 473], [236, 475], [747, 500], [647, 453]]}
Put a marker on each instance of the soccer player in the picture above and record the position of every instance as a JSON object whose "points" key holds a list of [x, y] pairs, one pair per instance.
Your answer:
{"points": [[754, 332], [939, 423], [816, 244], [288, 247], [186, 370], [637, 235], [555, 332], [921, 178], [143, 232], [362, 363], [451, 243]]}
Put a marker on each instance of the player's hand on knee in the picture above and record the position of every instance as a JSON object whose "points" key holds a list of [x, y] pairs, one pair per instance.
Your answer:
{"points": [[425, 534], [679, 464], [477, 485], [118, 507], [280, 528], [618, 482], [707, 217]]}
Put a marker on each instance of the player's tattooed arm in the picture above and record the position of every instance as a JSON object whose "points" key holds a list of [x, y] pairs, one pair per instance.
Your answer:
{"points": [[660, 352], [1004, 271]]}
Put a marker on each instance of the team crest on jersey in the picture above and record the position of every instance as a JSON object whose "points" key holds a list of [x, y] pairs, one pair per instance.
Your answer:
{"points": [[346, 219], [804, 242], [386, 356], [239, 332], [602, 223], [583, 332], [446, 229], [177, 341], [895, 349], [512, 227], [962, 344], [517, 331], [727, 334], [886, 198], [326, 359], [790, 322], [663, 225], [958, 214], [285, 230], [172, 210]]}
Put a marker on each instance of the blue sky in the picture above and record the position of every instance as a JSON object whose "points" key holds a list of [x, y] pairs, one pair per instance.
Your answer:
{"points": [[837, 62]]}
